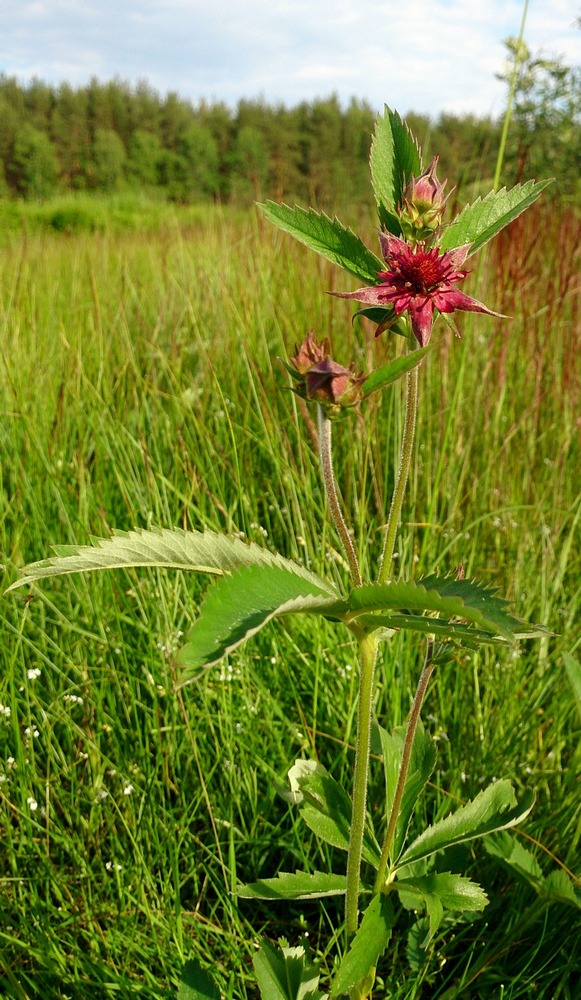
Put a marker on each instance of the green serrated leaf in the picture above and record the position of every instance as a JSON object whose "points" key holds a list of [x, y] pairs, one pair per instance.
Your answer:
{"points": [[271, 974], [422, 761], [240, 604], [507, 849], [196, 983], [327, 237], [464, 599], [285, 973], [443, 891], [559, 888], [326, 809], [480, 222], [168, 548], [393, 370], [367, 946], [495, 808], [462, 635], [393, 160], [456, 892], [297, 885], [555, 887], [415, 951]]}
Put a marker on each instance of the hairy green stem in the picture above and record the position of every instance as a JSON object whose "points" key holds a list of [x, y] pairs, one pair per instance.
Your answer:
{"points": [[326, 457], [368, 654], [410, 733], [402, 474]]}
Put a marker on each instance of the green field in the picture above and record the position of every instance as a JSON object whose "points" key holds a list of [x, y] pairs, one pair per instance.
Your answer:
{"points": [[139, 385]]}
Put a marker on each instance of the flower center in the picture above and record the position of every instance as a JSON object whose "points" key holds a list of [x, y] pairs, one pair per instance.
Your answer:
{"points": [[423, 271]]}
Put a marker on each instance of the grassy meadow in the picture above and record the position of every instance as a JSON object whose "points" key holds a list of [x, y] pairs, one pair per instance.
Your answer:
{"points": [[139, 385]]}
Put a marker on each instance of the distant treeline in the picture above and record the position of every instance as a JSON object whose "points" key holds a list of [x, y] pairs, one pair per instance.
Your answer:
{"points": [[110, 136]]}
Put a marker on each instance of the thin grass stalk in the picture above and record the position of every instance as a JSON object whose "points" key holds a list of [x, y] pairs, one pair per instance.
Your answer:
{"points": [[402, 474], [510, 101]]}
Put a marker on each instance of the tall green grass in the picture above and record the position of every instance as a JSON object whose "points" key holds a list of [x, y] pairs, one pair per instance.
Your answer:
{"points": [[139, 384]]}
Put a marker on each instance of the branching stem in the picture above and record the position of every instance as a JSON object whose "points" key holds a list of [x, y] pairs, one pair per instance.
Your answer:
{"points": [[410, 733]]}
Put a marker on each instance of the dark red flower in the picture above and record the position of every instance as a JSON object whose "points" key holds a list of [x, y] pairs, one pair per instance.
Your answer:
{"points": [[419, 281]]}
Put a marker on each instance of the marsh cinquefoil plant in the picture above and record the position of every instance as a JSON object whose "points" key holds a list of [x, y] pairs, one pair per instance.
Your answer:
{"points": [[403, 293]]}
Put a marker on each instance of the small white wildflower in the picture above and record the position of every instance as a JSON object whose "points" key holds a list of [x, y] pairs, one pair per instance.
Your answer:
{"points": [[273, 659], [31, 732], [101, 794], [32, 803], [113, 866], [10, 763], [5, 711], [3, 777], [128, 788], [73, 699], [33, 673]]}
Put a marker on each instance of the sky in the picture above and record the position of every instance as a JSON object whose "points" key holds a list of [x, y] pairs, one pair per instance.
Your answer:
{"points": [[426, 56]]}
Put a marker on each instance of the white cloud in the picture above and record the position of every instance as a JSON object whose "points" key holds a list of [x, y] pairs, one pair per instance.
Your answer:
{"points": [[426, 56]]}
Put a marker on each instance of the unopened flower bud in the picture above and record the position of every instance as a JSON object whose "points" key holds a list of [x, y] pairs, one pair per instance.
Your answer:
{"points": [[320, 379], [329, 383], [423, 204]]}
